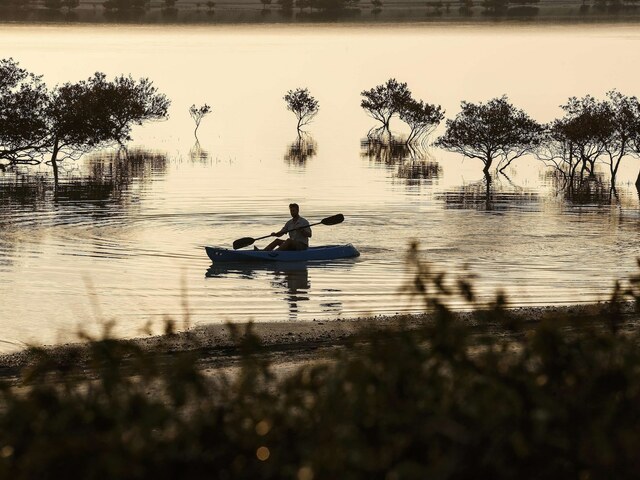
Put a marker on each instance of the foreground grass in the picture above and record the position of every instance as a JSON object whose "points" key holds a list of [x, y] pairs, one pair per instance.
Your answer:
{"points": [[559, 400]]}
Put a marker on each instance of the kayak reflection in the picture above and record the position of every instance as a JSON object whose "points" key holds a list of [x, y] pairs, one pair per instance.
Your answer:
{"points": [[289, 281], [295, 285]]}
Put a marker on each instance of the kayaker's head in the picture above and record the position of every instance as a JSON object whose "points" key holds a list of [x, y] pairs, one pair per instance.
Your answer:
{"points": [[294, 209]]}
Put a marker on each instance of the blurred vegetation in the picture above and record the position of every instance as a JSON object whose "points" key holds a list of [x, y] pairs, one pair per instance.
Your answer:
{"points": [[488, 397]]}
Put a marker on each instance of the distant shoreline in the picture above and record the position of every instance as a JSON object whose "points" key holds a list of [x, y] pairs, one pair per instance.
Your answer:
{"points": [[190, 12]]}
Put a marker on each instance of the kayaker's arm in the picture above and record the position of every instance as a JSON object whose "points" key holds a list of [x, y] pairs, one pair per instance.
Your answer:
{"points": [[306, 231]]}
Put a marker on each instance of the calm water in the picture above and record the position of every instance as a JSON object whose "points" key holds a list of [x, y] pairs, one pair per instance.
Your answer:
{"points": [[123, 239]]}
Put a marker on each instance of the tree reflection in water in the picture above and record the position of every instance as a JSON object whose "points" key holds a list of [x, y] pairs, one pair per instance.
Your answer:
{"points": [[489, 194], [198, 154], [105, 176], [413, 161], [418, 172], [99, 180], [386, 149], [588, 190], [301, 150]]}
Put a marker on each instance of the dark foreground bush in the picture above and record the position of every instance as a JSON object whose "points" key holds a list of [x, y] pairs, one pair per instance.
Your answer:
{"points": [[501, 399]]}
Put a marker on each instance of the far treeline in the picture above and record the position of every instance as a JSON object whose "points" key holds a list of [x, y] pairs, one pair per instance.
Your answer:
{"points": [[492, 7], [38, 124]]}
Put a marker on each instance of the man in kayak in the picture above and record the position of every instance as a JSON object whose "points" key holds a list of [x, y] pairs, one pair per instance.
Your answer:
{"points": [[298, 239]]}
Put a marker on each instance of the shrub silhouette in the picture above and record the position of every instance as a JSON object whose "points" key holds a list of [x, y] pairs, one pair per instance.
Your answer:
{"points": [[491, 396]]}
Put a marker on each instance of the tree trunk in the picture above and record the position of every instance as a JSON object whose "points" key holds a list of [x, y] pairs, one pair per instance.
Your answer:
{"points": [[487, 166], [387, 121], [54, 163], [488, 204], [614, 172]]}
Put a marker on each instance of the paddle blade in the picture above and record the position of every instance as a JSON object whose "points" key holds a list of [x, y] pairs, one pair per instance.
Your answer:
{"points": [[243, 242], [333, 220]]}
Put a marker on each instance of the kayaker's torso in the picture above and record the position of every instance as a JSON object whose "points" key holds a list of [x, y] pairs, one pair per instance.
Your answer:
{"points": [[297, 235]]}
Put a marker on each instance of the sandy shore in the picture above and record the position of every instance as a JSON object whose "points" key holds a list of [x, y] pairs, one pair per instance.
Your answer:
{"points": [[288, 345]]}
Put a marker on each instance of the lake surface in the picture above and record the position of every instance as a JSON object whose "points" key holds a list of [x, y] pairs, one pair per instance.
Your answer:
{"points": [[123, 238]]}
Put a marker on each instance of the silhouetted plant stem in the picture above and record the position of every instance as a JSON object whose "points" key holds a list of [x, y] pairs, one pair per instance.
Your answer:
{"points": [[54, 162]]}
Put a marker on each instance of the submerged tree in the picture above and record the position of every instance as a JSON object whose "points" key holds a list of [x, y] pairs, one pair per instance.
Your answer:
{"points": [[301, 150], [73, 118], [422, 118], [585, 130], [592, 131], [197, 114], [96, 113], [560, 152], [384, 101], [303, 105], [624, 134], [23, 124], [491, 131]]}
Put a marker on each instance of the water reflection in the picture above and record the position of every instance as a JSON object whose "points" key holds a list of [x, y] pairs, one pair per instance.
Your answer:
{"points": [[102, 176], [21, 189], [589, 190], [386, 149], [418, 172], [286, 280], [413, 161], [110, 175], [301, 150], [198, 154], [294, 283], [289, 280], [96, 190], [490, 194]]}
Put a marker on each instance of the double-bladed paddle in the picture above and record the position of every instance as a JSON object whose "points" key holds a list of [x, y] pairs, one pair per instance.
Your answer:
{"points": [[246, 241]]}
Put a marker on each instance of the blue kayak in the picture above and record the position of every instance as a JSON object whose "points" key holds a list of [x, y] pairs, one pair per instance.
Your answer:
{"points": [[327, 252]]}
